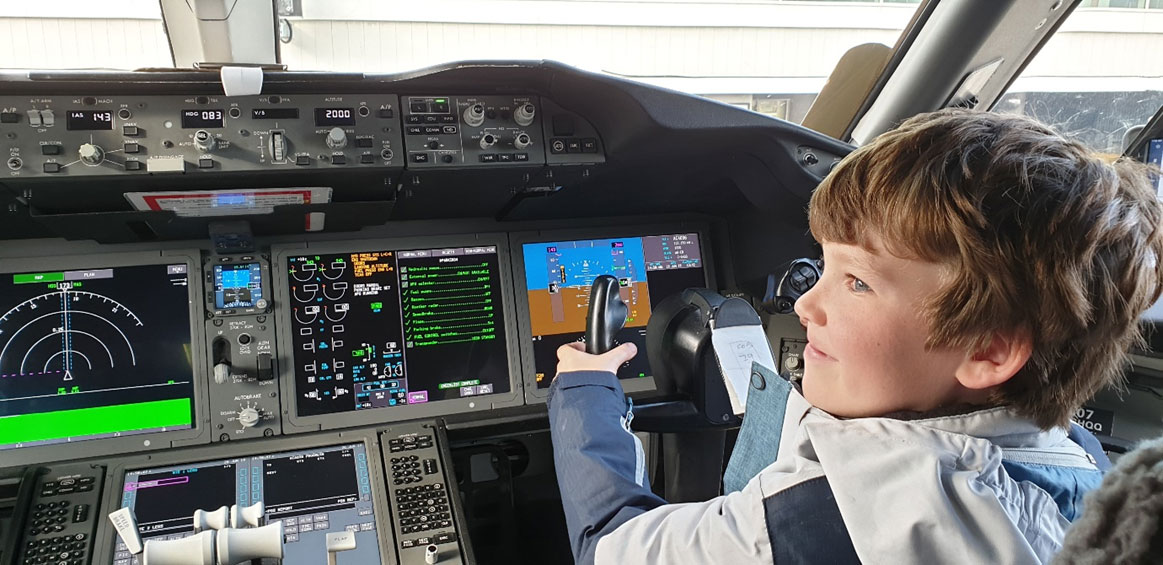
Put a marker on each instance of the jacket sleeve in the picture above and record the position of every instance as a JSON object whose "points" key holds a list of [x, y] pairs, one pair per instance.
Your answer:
{"points": [[601, 468]]}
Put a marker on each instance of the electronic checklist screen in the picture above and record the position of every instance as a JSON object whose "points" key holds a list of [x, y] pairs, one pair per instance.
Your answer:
{"points": [[385, 328]]}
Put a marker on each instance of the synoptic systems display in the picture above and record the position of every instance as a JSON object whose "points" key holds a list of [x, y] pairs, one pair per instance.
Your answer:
{"points": [[378, 329]]}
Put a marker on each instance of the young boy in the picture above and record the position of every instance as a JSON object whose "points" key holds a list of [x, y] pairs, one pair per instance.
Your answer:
{"points": [[982, 278]]}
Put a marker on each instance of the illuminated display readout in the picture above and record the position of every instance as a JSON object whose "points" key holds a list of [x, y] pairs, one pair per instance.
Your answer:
{"points": [[378, 329], [558, 277]]}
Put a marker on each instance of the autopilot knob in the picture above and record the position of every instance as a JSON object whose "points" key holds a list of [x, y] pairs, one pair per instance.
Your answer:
{"points": [[524, 114], [336, 138], [474, 115], [204, 141], [278, 147], [91, 154], [248, 417]]}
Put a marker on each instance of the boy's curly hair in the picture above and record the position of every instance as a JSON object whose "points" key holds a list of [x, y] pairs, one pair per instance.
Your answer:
{"points": [[1040, 234]]}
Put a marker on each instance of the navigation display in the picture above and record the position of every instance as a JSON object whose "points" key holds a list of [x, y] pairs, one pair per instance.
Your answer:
{"points": [[380, 329], [237, 286], [312, 491], [558, 276], [95, 353]]}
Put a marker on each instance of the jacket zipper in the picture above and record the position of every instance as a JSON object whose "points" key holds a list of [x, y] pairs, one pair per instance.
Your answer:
{"points": [[1041, 457]]}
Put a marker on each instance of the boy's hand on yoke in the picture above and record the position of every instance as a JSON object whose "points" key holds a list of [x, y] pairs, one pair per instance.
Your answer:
{"points": [[572, 357]]}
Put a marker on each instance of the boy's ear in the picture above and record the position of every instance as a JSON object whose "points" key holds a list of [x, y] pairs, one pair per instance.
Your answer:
{"points": [[1001, 359]]}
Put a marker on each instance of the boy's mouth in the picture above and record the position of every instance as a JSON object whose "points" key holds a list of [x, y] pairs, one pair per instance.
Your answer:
{"points": [[811, 352]]}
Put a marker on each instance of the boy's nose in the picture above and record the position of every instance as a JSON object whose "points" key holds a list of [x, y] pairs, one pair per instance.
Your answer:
{"points": [[807, 309]]}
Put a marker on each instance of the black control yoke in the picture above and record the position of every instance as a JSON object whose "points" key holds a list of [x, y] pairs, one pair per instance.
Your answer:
{"points": [[607, 315]]}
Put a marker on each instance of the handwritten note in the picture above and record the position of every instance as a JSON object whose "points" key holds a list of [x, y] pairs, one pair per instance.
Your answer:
{"points": [[736, 348]]}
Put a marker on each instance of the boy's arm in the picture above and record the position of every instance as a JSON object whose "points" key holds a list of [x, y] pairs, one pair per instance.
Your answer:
{"points": [[601, 468], [602, 476]]}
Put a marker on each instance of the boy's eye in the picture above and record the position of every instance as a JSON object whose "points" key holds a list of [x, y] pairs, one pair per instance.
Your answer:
{"points": [[858, 285]]}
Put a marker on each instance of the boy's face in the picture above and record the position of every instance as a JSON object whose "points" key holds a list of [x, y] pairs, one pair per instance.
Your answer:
{"points": [[866, 354]]}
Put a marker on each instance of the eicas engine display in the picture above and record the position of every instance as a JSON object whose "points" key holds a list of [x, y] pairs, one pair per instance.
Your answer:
{"points": [[377, 329]]}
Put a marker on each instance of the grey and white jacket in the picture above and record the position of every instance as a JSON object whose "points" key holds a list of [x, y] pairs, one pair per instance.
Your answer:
{"points": [[982, 487]]}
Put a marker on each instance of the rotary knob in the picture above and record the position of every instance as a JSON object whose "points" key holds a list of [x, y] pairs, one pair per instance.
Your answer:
{"points": [[248, 417], [336, 138], [204, 141], [91, 155], [475, 115], [524, 114]]}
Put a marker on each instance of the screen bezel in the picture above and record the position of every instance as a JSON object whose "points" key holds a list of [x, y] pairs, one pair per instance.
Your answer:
{"points": [[643, 387], [198, 433], [294, 423], [106, 537]]}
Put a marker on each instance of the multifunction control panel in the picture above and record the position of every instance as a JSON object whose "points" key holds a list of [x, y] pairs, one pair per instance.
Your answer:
{"points": [[62, 516], [109, 135], [424, 514], [459, 130]]}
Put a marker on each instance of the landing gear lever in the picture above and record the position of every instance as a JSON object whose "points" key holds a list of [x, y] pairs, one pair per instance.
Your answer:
{"points": [[607, 315]]}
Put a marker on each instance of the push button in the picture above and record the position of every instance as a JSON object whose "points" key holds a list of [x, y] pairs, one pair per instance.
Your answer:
{"points": [[52, 167], [133, 165], [386, 113], [9, 118], [419, 157], [338, 160], [50, 149], [132, 148], [130, 131], [367, 159], [205, 163], [302, 160], [363, 142]]}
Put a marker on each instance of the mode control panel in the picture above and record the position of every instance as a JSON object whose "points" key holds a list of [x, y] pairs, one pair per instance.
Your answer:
{"points": [[70, 136], [240, 337], [64, 512], [473, 131], [424, 514]]}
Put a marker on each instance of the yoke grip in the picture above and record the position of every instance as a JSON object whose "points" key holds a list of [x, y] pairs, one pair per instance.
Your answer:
{"points": [[607, 315]]}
